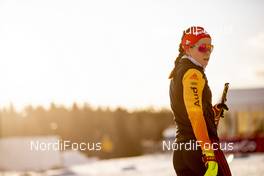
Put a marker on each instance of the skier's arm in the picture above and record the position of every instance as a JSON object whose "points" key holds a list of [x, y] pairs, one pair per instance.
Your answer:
{"points": [[193, 85]]}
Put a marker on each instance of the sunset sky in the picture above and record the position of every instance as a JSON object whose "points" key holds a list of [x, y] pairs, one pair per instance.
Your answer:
{"points": [[120, 52]]}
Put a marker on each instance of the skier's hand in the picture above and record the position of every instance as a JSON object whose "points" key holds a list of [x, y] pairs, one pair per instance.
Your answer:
{"points": [[219, 111], [210, 162], [212, 168]]}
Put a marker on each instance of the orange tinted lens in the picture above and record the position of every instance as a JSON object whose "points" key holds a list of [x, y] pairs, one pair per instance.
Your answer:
{"points": [[205, 47]]}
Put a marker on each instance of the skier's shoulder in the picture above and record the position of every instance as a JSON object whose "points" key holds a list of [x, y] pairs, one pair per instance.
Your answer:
{"points": [[186, 67]]}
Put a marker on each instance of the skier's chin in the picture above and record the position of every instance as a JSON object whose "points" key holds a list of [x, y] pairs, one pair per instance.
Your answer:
{"points": [[206, 59], [205, 62]]}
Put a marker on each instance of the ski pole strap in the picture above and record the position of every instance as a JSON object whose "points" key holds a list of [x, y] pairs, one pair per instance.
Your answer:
{"points": [[208, 158]]}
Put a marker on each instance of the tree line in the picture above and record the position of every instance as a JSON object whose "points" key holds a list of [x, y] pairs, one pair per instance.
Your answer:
{"points": [[121, 131]]}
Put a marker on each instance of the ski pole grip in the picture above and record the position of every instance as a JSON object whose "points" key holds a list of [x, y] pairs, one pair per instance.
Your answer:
{"points": [[224, 94]]}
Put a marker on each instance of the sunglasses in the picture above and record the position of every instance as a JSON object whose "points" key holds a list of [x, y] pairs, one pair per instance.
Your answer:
{"points": [[203, 48]]}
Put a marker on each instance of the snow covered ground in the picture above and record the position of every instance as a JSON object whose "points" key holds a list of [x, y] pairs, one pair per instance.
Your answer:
{"points": [[150, 165]]}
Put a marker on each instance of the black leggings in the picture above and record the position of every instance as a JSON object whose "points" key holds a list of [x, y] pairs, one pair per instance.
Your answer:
{"points": [[188, 163]]}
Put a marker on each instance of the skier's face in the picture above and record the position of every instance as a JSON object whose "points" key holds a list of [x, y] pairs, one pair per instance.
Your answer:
{"points": [[201, 51]]}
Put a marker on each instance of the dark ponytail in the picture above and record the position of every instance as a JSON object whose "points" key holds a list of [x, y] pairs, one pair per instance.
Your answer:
{"points": [[181, 53]]}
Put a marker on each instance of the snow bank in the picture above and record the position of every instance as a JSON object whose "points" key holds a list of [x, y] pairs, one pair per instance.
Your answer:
{"points": [[18, 154]]}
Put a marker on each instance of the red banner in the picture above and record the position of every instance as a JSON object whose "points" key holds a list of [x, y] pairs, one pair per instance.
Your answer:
{"points": [[244, 145]]}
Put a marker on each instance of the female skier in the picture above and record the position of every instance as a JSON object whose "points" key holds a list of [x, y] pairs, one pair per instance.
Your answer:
{"points": [[195, 117]]}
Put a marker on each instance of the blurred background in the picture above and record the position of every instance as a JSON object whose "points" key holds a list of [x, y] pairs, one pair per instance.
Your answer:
{"points": [[96, 72]]}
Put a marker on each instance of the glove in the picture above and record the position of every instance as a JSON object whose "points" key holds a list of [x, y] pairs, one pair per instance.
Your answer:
{"points": [[219, 111], [210, 162]]}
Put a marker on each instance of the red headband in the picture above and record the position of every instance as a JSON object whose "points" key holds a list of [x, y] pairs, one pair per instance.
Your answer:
{"points": [[193, 35]]}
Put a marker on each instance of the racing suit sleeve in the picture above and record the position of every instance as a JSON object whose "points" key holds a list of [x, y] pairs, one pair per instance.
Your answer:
{"points": [[193, 85]]}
